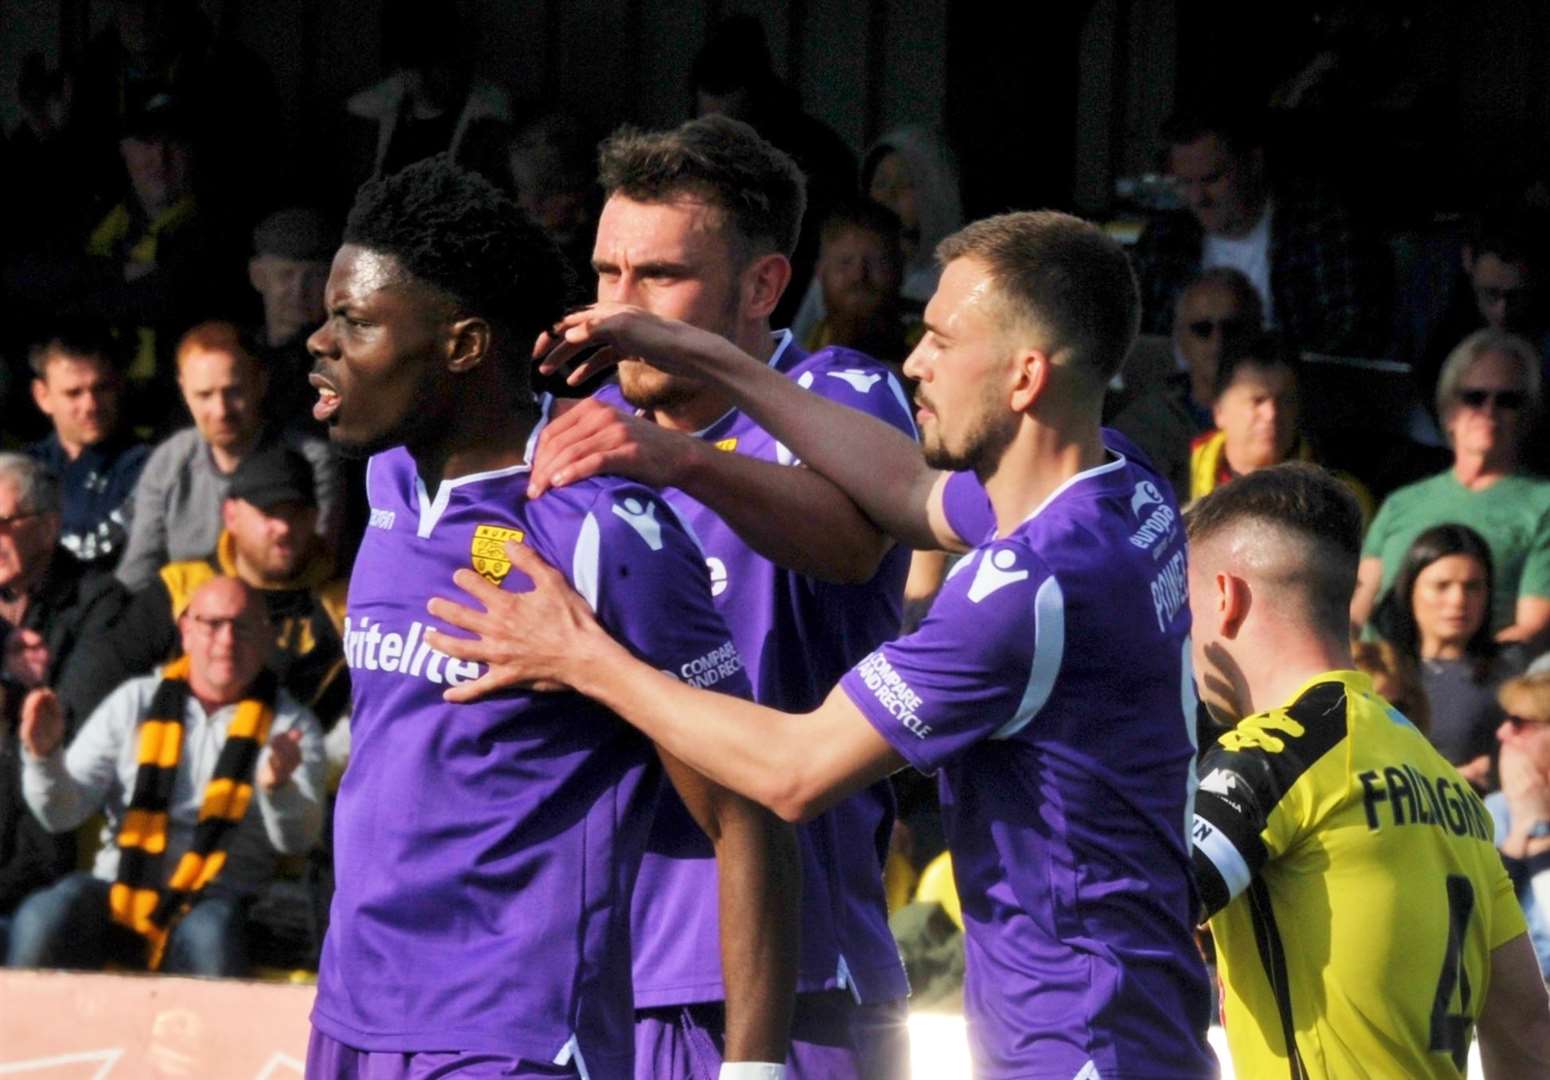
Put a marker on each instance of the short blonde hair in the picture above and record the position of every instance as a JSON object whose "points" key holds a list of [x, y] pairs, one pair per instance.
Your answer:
{"points": [[1533, 688], [1471, 349]]}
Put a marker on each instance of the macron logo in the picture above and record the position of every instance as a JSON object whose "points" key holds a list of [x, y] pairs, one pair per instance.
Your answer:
{"points": [[860, 381], [367, 648], [1146, 494], [642, 517], [381, 519], [995, 572], [1220, 782]]}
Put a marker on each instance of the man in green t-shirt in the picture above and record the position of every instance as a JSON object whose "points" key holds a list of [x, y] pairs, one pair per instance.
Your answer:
{"points": [[1487, 395]]}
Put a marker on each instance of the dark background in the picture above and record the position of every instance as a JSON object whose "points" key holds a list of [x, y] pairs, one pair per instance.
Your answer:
{"points": [[1432, 104]]}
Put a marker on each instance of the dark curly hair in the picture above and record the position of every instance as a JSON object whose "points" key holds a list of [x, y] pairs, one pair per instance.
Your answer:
{"points": [[721, 160], [451, 229]]}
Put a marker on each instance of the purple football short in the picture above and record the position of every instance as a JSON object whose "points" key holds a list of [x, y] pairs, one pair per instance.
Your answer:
{"points": [[329, 1059], [832, 1038]]}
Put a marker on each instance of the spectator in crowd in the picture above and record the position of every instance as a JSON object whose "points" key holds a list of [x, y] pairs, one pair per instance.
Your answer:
{"points": [[429, 103], [1487, 395], [292, 249], [553, 167], [155, 264], [1496, 287], [1336, 853], [911, 171], [49, 601], [1299, 247], [1521, 809], [734, 76], [75, 383], [1218, 306], [860, 270], [1437, 613], [1395, 678], [239, 756], [177, 509], [270, 542], [31, 857], [1256, 407]]}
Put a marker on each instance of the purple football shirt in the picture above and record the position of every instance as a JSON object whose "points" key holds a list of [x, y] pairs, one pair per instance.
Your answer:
{"points": [[486, 853], [797, 636], [1050, 687]]}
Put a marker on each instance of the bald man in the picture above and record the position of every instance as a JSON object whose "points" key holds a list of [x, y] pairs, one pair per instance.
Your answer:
{"points": [[1364, 924], [209, 740]]}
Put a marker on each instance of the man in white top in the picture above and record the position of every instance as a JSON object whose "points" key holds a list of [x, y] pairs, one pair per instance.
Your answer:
{"points": [[1292, 241], [222, 687]]}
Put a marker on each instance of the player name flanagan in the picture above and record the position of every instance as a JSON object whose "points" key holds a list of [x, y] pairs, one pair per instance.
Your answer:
{"points": [[368, 648]]}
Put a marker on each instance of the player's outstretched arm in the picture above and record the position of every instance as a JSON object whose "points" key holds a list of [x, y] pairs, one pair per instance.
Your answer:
{"points": [[791, 516], [759, 891], [796, 764], [1514, 1023], [877, 466]]}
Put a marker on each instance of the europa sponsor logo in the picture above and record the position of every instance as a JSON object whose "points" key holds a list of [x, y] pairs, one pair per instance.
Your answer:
{"points": [[367, 647], [714, 666], [893, 693]]}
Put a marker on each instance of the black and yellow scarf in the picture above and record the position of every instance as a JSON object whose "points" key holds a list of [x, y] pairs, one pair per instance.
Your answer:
{"points": [[139, 899]]}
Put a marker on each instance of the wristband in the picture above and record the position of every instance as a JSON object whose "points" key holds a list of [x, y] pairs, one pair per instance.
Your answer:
{"points": [[752, 1070]]}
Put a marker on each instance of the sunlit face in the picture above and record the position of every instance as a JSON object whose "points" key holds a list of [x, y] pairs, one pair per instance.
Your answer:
{"points": [[80, 395], [1221, 188], [894, 187], [1503, 292], [675, 259], [227, 637], [377, 356], [292, 291], [1206, 316], [1487, 416], [962, 366], [1449, 600], [276, 541], [223, 392], [858, 273], [1258, 415], [26, 537], [1527, 731]]}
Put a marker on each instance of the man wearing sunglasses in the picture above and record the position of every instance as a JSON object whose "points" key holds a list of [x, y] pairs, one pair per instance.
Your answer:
{"points": [[1487, 396], [1215, 308]]}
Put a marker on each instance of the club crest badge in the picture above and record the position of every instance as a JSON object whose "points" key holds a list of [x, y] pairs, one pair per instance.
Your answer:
{"points": [[489, 551]]}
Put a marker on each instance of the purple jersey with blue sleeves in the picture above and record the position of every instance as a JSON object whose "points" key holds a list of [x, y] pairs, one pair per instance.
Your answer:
{"points": [[486, 853], [797, 636], [1050, 687]]}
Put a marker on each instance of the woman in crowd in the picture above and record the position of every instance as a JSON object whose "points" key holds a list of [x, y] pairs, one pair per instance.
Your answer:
{"points": [[1396, 678], [1437, 614], [1487, 396], [1521, 808]]}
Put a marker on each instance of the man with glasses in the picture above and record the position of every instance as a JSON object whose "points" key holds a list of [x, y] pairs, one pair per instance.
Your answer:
{"points": [[1216, 307], [205, 771], [1488, 394], [269, 540], [49, 601]]}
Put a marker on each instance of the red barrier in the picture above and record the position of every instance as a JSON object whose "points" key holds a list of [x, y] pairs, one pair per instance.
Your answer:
{"points": [[66, 1026]]}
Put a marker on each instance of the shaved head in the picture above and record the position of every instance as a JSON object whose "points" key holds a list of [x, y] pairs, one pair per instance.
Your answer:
{"points": [[1293, 529]]}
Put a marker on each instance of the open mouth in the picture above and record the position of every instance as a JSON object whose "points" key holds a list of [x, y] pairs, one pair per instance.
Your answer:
{"points": [[328, 398]]}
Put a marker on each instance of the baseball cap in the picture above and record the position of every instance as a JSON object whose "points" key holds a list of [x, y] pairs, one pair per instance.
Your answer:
{"points": [[272, 476]]}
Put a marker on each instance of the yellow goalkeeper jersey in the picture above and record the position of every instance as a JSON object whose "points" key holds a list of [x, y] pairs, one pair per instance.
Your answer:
{"points": [[1354, 892]]}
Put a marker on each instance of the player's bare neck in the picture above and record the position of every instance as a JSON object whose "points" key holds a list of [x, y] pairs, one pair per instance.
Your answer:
{"points": [[1034, 465], [478, 440]]}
